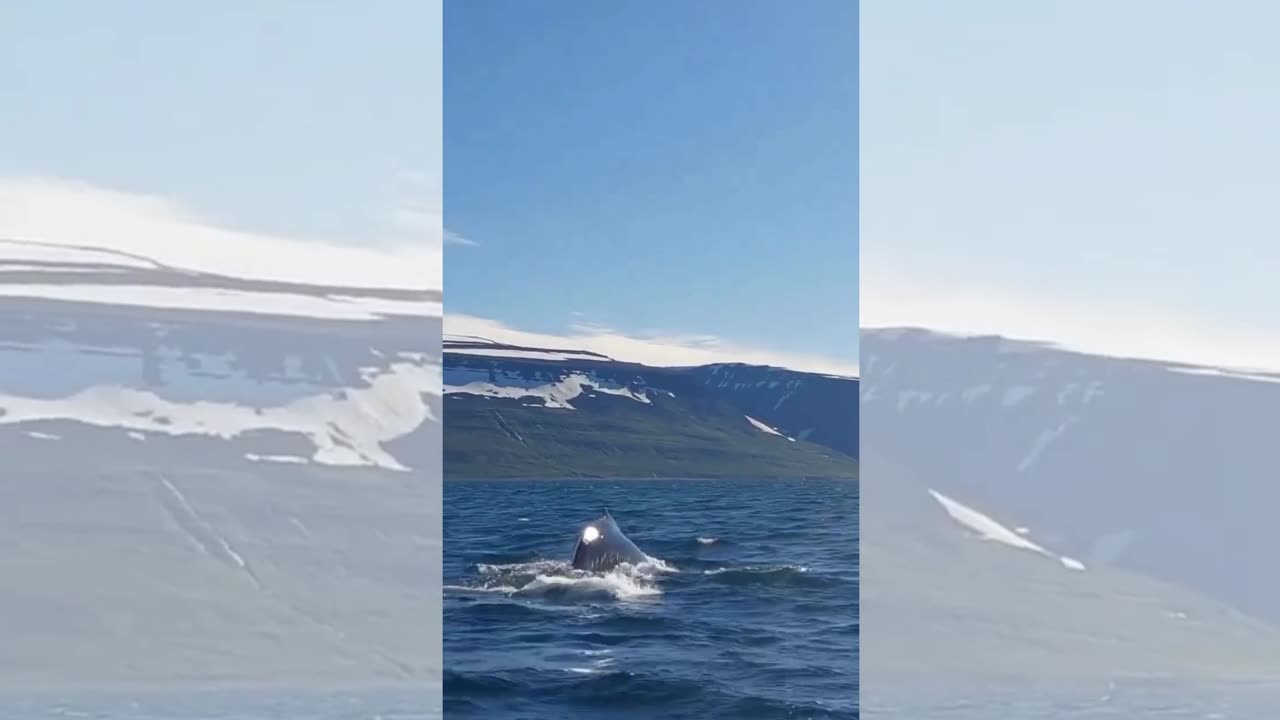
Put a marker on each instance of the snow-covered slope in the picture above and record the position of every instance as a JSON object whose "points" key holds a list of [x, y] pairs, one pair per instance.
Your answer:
{"points": [[515, 410], [113, 351], [1157, 469], [199, 466]]}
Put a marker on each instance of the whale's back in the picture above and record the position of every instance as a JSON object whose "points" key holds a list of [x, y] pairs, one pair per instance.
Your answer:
{"points": [[602, 546]]}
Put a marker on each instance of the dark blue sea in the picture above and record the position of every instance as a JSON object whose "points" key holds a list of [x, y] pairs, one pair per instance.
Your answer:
{"points": [[748, 608]]}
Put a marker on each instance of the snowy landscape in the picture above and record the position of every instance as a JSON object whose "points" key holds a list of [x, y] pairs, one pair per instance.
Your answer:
{"points": [[220, 468]]}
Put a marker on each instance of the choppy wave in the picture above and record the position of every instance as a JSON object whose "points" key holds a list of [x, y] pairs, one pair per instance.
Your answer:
{"points": [[606, 690]]}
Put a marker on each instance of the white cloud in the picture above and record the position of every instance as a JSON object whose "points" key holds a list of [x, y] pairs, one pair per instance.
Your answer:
{"points": [[453, 238], [1131, 329], [61, 211], [649, 349]]}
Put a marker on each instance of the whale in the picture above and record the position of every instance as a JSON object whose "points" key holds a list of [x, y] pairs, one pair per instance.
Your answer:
{"points": [[602, 547]]}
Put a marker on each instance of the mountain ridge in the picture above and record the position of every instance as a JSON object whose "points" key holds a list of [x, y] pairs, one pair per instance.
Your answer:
{"points": [[593, 416]]}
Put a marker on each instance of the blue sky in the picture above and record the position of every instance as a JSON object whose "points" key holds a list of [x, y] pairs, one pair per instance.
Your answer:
{"points": [[681, 170], [1101, 174], [315, 120]]}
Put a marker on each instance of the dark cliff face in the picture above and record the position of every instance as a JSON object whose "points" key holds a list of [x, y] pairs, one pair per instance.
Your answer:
{"points": [[531, 412], [1154, 468]]}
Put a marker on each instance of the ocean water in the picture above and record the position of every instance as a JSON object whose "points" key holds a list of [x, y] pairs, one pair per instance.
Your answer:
{"points": [[748, 608]]}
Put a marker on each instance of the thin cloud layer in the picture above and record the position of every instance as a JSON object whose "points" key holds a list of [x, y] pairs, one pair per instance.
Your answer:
{"points": [[654, 349], [453, 238], [1130, 330], [61, 211]]}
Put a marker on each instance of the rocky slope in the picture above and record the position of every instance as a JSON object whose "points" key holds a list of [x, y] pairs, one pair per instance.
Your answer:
{"points": [[540, 412]]}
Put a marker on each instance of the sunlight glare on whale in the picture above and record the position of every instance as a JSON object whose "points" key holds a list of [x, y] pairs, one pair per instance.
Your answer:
{"points": [[590, 534]]}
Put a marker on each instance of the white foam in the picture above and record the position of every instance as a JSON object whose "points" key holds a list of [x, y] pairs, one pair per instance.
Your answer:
{"points": [[618, 583], [758, 569], [542, 577], [495, 589], [652, 564], [537, 566], [706, 540]]}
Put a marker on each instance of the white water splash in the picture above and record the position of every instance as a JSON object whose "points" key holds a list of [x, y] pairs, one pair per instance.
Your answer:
{"points": [[551, 577]]}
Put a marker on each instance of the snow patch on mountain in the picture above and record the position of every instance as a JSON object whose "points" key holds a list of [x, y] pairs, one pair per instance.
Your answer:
{"points": [[765, 428], [347, 428], [555, 394], [988, 529]]}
